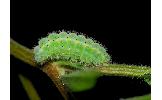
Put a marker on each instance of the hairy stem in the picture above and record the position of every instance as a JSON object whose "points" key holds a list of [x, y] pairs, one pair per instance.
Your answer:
{"points": [[125, 70], [142, 72]]}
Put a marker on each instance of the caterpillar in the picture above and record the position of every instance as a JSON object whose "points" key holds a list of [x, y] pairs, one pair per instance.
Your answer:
{"points": [[73, 48]]}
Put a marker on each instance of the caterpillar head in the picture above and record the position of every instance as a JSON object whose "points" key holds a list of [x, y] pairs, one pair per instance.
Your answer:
{"points": [[75, 49]]}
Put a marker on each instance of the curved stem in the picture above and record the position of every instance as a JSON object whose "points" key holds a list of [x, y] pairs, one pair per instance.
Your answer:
{"points": [[26, 55], [53, 73]]}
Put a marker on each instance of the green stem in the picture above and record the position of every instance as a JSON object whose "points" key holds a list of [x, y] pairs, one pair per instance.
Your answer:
{"points": [[21, 52], [26, 55], [142, 72], [125, 70]]}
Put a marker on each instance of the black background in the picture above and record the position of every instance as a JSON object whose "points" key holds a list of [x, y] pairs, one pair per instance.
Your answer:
{"points": [[124, 27]]}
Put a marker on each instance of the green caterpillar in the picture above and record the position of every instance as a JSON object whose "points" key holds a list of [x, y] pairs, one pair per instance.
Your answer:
{"points": [[72, 48]]}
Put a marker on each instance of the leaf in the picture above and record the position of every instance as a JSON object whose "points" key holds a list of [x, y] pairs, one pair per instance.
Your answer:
{"points": [[29, 88], [80, 80], [144, 97], [147, 78]]}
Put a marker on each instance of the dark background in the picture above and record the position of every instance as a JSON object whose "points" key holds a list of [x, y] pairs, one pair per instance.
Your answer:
{"points": [[124, 27]]}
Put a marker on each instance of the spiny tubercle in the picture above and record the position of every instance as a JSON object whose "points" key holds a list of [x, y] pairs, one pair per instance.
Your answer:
{"points": [[70, 47]]}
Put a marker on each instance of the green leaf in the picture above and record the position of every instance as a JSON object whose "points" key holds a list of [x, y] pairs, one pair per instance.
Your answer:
{"points": [[29, 88], [147, 78], [144, 97], [80, 80]]}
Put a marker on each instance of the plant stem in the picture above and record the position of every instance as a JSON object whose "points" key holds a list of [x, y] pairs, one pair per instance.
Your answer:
{"points": [[53, 73], [142, 72], [125, 70], [26, 55], [22, 53]]}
